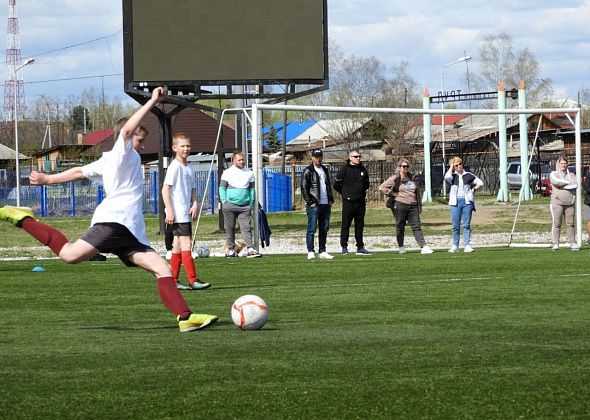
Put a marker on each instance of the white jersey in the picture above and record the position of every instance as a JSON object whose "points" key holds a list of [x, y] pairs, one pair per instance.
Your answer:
{"points": [[182, 180], [123, 186]]}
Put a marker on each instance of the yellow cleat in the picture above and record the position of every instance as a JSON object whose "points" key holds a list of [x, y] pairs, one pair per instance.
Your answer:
{"points": [[15, 215], [196, 322]]}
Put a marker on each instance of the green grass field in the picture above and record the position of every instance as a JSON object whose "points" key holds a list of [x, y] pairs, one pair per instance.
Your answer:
{"points": [[500, 333]]}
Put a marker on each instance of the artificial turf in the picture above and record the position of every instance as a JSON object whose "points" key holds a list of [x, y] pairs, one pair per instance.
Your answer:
{"points": [[500, 333]]}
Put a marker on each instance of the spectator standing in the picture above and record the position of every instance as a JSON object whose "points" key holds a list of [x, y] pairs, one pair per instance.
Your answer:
{"points": [[180, 200], [352, 182], [461, 201], [407, 205], [236, 193], [563, 198], [117, 225], [586, 207], [317, 193]]}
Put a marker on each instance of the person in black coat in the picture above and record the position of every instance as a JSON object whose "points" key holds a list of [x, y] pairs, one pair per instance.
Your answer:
{"points": [[352, 182], [317, 193]]}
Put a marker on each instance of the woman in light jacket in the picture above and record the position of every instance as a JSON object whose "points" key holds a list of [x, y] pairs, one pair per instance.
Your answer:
{"points": [[463, 184], [563, 198]]}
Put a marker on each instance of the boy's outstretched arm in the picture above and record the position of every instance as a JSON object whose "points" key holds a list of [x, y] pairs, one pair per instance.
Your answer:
{"points": [[133, 122], [72, 174]]}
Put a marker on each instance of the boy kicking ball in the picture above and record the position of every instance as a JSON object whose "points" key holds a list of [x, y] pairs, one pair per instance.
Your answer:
{"points": [[117, 225]]}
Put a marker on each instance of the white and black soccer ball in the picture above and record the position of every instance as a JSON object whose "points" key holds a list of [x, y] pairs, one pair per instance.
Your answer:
{"points": [[203, 251], [249, 312]]}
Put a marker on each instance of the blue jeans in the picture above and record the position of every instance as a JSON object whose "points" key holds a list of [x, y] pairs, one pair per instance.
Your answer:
{"points": [[317, 216], [461, 213]]}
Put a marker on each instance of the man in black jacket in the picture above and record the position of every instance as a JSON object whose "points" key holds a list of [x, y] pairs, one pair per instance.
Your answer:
{"points": [[317, 193], [352, 181]]}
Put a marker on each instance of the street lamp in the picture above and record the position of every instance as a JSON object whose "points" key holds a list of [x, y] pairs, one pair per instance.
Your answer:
{"points": [[442, 107], [16, 70]]}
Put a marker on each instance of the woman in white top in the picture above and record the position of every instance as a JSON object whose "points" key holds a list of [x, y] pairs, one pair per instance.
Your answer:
{"points": [[463, 184]]}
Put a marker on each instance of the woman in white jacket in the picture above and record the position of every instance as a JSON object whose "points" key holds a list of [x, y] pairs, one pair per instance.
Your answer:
{"points": [[463, 184], [563, 198]]}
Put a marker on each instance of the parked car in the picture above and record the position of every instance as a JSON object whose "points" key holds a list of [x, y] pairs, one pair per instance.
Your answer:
{"points": [[538, 177]]}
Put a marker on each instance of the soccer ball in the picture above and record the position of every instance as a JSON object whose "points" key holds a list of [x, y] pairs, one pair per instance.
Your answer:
{"points": [[203, 251], [249, 312]]}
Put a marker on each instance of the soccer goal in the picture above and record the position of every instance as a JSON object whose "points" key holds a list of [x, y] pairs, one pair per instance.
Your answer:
{"points": [[257, 141]]}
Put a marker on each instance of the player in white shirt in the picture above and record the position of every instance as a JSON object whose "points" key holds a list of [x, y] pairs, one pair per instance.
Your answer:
{"points": [[117, 226], [180, 198]]}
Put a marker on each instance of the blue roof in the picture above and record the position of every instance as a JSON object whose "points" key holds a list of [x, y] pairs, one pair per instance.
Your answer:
{"points": [[294, 129]]}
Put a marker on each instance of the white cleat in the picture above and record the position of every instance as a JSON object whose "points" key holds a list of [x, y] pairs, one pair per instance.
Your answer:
{"points": [[325, 256], [402, 250], [454, 248], [311, 256], [468, 248]]}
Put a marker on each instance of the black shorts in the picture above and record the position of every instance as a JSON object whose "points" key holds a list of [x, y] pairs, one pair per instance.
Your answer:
{"points": [[181, 229], [115, 238]]}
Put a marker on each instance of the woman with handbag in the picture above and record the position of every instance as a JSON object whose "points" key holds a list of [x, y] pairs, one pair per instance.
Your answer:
{"points": [[403, 197]]}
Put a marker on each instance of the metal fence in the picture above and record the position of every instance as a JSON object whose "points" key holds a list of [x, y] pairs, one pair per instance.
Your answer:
{"points": [[80, 198]]}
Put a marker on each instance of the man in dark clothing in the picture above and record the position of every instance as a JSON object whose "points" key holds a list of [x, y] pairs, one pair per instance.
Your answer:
{"points": [[317, 193], [352, 181]]}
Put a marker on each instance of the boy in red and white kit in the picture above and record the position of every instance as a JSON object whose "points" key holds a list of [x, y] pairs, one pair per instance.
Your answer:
{"points": [[180, 198], [117, 226]]}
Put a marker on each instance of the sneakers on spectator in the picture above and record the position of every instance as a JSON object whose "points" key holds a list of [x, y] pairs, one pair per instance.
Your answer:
{"points": [[555, 247], [181, 286], [402, 250], [195, 322], [363, 251], [15, 215], [198, 285], [231, 253], [252, 253], [344, 250], [454, 248], [467, 248], [575, 247], [325, 256], [169, 255], [311, 255], [426, 250]]}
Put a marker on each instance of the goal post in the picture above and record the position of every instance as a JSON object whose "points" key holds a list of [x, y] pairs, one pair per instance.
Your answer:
{"points": [[257, 109]]}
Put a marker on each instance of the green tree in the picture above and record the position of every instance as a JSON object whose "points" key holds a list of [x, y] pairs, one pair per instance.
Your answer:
{"points": [[80, 118]]}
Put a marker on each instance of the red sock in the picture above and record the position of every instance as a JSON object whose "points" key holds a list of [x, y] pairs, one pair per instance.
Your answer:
{"points": [[189, 266], [175, 262], [171, 297], [45, 234]]}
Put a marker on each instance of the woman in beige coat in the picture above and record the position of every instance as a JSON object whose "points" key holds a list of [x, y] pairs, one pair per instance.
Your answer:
{"points": [[563, 198]]}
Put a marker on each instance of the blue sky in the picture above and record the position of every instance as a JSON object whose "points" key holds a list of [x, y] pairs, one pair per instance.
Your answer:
{"points": [[425, 33]]}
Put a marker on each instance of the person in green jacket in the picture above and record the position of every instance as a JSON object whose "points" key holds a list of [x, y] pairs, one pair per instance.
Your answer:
{"points": [[236, 193]]}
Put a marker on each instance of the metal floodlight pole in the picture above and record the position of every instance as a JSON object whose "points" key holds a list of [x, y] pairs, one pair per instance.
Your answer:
{"points": [[26, 63], [442, 107]]}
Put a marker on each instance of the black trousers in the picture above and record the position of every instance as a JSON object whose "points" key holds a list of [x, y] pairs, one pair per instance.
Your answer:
{"points": [[407, 213], [353, 211]]}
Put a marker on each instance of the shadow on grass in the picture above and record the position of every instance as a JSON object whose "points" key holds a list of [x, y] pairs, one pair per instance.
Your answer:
{"points": [[154, 328]]}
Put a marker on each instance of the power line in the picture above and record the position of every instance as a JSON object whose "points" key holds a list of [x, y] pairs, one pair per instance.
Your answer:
{"points": [[74, 78], [74, 45]]}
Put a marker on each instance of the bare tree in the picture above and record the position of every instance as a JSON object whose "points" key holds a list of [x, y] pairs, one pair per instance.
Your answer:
{"points": [[364, 82], [500, 61]]}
